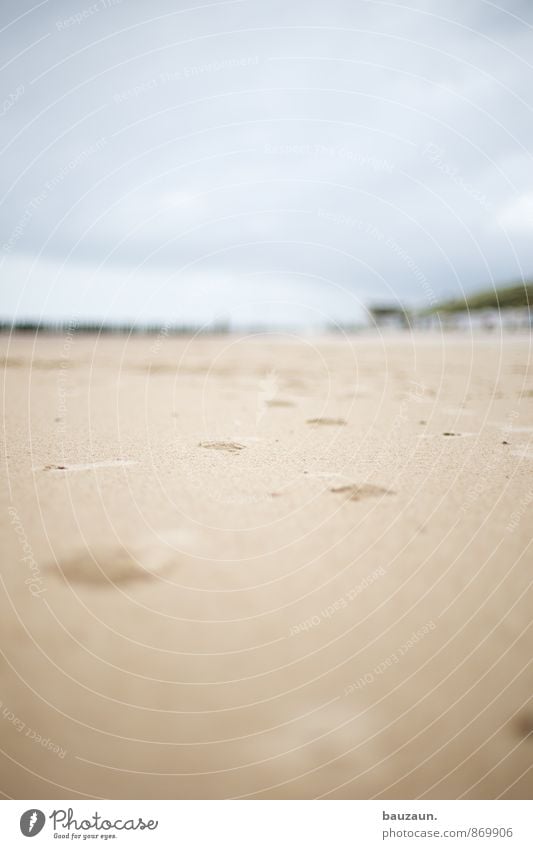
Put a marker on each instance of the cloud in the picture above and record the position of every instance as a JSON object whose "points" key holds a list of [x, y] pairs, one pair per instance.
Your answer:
{"points": [[518, 216], [382, 150]]}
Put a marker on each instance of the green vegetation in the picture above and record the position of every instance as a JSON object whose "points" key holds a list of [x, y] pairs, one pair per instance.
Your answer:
{"points": [[511, 296]]}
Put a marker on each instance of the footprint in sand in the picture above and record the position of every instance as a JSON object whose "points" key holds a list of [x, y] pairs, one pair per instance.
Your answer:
{"points": [[445, 433], [326, 421], [357, 492], [232, 447], [120, 565], [279, 403], [524, 725], [82, 467]]}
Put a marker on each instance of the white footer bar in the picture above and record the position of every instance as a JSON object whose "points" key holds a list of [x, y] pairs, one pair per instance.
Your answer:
{"points": [[268, 824]]}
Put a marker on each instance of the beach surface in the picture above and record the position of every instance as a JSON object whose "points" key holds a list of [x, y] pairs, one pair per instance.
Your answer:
{"points": [[266, 566]]}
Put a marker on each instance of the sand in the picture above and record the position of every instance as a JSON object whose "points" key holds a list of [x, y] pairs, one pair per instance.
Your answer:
{"points": [[267, 566]]}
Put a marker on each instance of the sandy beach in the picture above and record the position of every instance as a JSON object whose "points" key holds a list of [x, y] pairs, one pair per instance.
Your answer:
{"points": [[267, 566]]}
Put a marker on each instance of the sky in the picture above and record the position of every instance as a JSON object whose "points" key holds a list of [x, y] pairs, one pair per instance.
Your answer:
{"points": [[281, 163]]}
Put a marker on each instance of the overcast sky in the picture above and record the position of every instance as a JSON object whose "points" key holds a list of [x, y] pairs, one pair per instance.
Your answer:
{"points": [[281, 161]]}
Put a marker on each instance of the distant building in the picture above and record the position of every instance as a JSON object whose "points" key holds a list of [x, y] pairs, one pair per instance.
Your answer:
{"points": [[389, 316], [520, 318]]}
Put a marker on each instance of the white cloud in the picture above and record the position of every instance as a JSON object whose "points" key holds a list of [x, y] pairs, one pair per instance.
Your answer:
{"points": [[222, 172], [518, 215]]}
